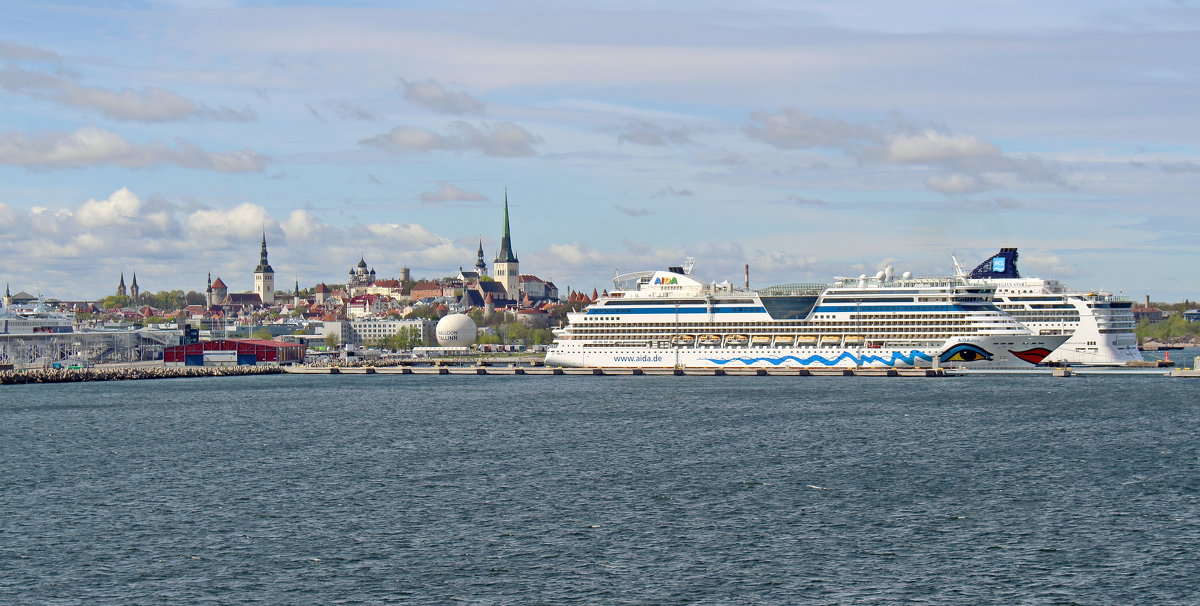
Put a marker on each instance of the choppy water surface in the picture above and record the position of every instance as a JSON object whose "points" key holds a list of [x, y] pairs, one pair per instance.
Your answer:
{"points": [[604, 490]]}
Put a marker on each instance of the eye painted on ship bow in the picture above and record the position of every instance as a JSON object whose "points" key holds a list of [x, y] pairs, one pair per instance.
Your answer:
{"points": [[1033, 356], [965, 352]]}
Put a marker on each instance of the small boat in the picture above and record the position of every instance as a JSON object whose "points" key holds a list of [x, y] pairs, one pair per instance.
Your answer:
{"points": [[785, 339], [854, 340], [805, 340], [679, 340], [736, 340], [710, 340], [760, 340], [830, 339]]}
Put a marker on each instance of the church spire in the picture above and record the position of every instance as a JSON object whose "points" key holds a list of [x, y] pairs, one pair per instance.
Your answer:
{"points": [[506, 255], [263, 266], [480, 265]]}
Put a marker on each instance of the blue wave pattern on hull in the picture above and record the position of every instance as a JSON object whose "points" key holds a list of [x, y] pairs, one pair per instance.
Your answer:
{"points": [[909, 358]]}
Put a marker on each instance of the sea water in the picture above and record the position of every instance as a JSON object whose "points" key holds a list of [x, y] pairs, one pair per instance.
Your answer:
{"points": [[601, 490]]}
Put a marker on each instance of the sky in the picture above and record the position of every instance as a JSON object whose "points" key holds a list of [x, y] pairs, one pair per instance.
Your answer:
{"points": [[807, 139]]}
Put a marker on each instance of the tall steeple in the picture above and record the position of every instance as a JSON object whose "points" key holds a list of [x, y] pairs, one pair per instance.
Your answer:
{"points": [[480, 265], [263, 266], [7, 302], [506, 269], [264, 275], [121, 292], [134, 291], [506, 254]]}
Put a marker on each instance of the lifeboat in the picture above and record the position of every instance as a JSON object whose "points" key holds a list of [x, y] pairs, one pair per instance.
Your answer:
{"points": [[785, 340], [710, 339], [830, 339], [758, 340], [854, 339], [682, 340], [736, 340]]}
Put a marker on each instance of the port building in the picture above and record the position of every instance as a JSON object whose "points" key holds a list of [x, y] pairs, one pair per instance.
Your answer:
{"points": [[234, 352]]}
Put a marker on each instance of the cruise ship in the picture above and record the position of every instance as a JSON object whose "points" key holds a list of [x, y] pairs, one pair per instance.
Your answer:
{"points": [[39, 318], [669, 319], [1099, 325]]}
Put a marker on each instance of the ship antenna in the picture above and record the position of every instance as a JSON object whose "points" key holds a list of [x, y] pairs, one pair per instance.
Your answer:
{"points": [[958, 268]]}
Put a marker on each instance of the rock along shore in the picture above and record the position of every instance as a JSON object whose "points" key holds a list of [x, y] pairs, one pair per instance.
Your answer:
{"points": [[51, 375]]}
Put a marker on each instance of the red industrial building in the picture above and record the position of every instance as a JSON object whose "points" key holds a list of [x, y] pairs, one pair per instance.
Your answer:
{"points": [[234, 352]]}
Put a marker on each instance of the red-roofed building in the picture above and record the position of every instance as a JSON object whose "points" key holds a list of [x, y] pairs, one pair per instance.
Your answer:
{"points": [[425, 289], [537, 288]]}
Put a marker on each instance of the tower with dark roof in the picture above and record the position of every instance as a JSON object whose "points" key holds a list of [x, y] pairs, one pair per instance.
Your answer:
{"points": [[121, 291], [480, 265], [134, 291], [506, 268], [264, 275], [7, 296]]}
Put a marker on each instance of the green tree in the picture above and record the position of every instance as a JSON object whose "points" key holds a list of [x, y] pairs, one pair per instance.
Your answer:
{"points": [[263, 334], [115, 302], [332, 341]]}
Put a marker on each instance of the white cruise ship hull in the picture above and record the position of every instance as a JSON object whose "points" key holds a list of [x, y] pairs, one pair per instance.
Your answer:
{"points": [[971, 352]]}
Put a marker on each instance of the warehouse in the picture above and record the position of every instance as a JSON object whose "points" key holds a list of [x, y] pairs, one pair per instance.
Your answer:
{"points": [[234, 352]]}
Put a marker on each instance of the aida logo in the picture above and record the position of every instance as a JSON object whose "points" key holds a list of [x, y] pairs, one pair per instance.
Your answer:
{"points": [[666, 281]]}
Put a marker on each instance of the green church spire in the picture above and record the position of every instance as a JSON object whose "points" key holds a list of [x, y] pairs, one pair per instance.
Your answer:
{"points": [[506, 254]]}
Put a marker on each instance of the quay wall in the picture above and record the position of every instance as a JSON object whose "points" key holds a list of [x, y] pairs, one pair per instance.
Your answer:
{"points": [[52, 375]]}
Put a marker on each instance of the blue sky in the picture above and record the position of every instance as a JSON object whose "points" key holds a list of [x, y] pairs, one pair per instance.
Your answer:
{"points": [[806, 139]]}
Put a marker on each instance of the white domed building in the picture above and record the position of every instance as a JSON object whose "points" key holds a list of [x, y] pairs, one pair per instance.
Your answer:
{"points": [[456, 330]]}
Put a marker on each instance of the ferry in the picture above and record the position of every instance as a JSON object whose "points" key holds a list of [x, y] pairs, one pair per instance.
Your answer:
{"points": [[34, 319], [649, 319], [1099, 326]]}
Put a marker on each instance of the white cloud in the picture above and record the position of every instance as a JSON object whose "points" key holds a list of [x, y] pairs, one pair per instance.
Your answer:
{"points": [[432, 95], [893, 141], [932, 147], [957, 183], [20, 52], [503, 139], [633, 212], [149, 104], [646, 133], [121, 208], [448, 192], [91, 146], [238, 223], [797, 129], [671, 191]]}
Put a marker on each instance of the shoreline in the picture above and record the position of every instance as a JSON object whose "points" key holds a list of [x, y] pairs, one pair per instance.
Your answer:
{"points": [[80, 375]]}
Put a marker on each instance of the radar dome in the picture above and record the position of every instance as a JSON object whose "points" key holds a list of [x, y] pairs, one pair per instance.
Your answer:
{"points": [[456, 330]]}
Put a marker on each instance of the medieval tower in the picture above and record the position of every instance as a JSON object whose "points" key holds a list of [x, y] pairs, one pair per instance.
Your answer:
{"points": [[264, 276]]}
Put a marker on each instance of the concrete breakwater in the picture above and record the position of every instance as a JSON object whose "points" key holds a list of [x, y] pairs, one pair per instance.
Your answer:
{"points": [[62, 375]]}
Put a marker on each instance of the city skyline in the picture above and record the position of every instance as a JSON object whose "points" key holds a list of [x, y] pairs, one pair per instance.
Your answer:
{"points": [[806, 140]]}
